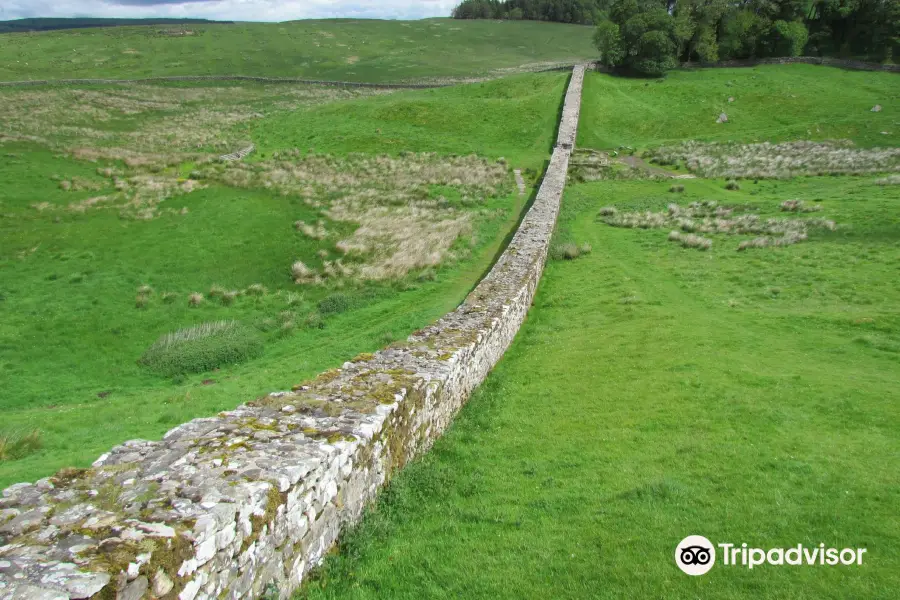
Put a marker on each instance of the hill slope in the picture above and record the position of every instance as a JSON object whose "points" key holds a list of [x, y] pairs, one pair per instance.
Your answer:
{"points": [[352, 50]]}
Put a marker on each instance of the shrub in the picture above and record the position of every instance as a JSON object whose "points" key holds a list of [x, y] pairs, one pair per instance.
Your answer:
{"points": [[300, 271], [216, 291], [608, 211], [257, 289], [585, 248], [228, 298], [201, 348], [733, 185], [335, 303], [799, 206], [145, 290], [140, 301], [169, 297], [315, 321], [195, 299], [676, 189], [17, 445]]}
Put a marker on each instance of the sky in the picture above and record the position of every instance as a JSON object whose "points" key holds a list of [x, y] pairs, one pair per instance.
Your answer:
{"points": [[228, 10]]}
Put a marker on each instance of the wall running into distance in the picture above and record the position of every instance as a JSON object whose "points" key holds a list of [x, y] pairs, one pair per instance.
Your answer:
{"points": [[239, 504]]}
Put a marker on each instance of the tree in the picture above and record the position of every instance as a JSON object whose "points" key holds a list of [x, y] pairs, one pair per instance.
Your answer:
{"points": [[638, 37]]}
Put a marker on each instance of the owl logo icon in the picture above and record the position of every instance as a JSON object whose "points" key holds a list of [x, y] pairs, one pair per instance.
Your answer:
{"points": [[695, 555]]}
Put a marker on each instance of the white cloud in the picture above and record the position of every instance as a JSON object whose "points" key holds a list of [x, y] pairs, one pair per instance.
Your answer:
{"points": [[229, 10]]}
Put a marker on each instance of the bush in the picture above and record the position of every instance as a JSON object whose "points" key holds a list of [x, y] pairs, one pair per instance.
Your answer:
{"points": [[335, 303], [732, 185], [676, 189], [569, 251], [201, 348], [18, 445], [169, 297]]}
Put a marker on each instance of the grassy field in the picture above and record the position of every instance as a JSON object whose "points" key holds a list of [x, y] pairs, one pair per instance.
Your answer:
{"points": [[770, 103], [347, 50], [75, 251], [658, 391]]}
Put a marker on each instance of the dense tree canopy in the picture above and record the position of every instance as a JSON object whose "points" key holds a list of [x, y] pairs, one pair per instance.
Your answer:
{"points": [[561, 11], [651, 36]]}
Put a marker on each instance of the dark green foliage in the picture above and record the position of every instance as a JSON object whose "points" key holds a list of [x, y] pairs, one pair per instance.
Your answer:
{"points": [[202, 348], [561, 11], [651, 36], [335, 304], [637, 36]]}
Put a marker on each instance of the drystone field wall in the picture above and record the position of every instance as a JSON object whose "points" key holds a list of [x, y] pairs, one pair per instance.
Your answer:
{"points": [[247, 502], [413, 85]]}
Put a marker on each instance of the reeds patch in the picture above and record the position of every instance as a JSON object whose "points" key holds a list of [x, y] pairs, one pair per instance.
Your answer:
{"points": [[783, 160], [201, 348], [708, 217], [19, 444]]}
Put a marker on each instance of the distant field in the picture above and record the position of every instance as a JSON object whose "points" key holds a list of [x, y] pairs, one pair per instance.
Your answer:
{"points": [[351, 50], [108, 189], [770, 103]]}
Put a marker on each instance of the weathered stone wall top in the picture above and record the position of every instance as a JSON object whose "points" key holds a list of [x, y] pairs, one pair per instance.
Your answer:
{"points": [[249, 500], [568, 125]]}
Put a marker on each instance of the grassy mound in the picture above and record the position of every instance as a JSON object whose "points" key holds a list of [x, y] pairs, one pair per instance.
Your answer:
{"points": [[782, 103], [202, 348]]}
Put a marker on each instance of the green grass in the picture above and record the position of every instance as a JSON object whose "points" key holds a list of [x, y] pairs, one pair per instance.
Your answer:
{"points": [[71, 334], [656, 392], [771, 103], [514, 117], [347, 50]]}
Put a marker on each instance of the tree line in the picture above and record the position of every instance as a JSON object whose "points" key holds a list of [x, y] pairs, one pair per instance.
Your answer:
{"points": [[584, 12], [652, 36]]}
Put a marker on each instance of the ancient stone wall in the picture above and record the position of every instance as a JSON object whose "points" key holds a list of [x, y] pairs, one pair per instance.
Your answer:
{"points": [[250, 500], [292, 80]]}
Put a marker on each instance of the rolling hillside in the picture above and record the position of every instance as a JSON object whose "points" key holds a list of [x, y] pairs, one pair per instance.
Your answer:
{"points": [[353, 50]]}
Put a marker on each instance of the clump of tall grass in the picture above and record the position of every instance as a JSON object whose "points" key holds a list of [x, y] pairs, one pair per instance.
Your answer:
{"points": [[169, 297], [145, 290], [690, 240], [256, 289], [608, 211], [799, 206], [18, 444], [676, 189], [569, 251], [336, 303], [784, 160], [709, 217], [195, 299], [301, 272], [732, 185], [201, 348], [141, 301], [229, 297]]}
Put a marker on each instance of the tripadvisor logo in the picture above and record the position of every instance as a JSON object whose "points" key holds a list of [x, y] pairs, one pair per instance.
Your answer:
{"points": [[696, 555]]}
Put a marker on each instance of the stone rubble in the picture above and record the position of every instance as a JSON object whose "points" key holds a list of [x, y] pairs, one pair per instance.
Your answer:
{"points": [[223, 507]]}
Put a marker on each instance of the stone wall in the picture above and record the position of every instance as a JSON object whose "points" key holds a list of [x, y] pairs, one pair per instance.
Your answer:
{"points": [[292, 80], [251, 499]]}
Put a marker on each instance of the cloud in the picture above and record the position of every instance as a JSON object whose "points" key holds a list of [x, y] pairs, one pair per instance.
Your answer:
{"points": [[229, 10]]}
